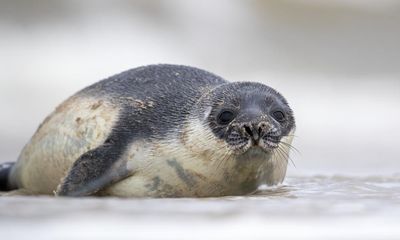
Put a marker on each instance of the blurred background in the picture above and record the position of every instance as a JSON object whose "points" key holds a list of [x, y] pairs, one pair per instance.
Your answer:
{"points": [[337, 62]]}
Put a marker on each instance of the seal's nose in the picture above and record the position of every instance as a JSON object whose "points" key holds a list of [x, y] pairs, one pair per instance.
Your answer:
{"points": [[255, 130]]}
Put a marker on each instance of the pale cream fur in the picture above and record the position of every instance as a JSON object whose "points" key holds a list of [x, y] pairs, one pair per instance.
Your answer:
{"points": [[75, 127]]}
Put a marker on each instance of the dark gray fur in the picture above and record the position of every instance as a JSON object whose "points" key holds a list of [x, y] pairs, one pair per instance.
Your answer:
{"points": [[173, 89]]}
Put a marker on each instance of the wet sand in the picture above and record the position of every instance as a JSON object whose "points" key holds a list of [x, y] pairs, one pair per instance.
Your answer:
{"points": [[307, 207]]}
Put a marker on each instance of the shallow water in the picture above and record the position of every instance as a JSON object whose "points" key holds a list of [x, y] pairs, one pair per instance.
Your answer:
{"points": [[307, 207]]}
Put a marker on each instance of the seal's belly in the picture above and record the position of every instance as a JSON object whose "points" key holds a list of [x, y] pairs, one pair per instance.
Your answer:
{"points": [[163, 172], [168, 178], [168, 182]]}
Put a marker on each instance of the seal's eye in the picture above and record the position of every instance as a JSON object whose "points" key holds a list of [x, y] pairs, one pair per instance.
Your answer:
{"points": [[225, 117], [279, 116]]}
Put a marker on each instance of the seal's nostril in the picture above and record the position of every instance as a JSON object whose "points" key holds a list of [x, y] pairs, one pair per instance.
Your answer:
{"points": [[260, 130], [248, 130]]}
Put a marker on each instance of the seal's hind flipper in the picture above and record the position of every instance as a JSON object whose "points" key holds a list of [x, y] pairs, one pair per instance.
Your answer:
{"points": [[93, 171], [5, 169]]}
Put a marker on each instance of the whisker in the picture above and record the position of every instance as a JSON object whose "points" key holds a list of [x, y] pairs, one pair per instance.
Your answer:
{"points": [[277, 152], [286, 154], [291, 147]]}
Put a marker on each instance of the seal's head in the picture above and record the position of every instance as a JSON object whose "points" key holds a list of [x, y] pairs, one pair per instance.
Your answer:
{"points": [[247, 115]]}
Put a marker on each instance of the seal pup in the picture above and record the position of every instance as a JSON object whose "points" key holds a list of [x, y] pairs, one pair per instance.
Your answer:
{"points": [[159, 131]]}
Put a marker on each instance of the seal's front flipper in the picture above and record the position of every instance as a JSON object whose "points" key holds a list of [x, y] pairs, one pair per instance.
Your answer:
{"points": [[93, 171]]}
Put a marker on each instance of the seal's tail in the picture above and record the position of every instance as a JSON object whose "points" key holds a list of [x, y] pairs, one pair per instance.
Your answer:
{"points": [[5, 169]]}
